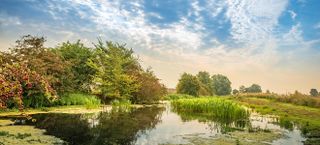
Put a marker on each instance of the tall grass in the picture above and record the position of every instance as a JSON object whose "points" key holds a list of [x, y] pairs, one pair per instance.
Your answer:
{"points": [[218, 108], [89, 101]]}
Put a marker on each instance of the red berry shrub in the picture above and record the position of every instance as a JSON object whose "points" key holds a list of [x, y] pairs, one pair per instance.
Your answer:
{"points": [[24, 87]]}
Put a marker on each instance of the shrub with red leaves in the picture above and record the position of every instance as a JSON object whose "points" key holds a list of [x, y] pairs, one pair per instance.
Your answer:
{"points": [[18, 82]]}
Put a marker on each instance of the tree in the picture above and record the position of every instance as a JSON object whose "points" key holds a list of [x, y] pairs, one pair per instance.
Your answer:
{"points": [[268, 92], [78, 55], [242, 89], [221, 85], [151, 90], [112, 62], [188, 84], [30, 51], [235, 92], [314, 92], [254, 88], [204, 78]]}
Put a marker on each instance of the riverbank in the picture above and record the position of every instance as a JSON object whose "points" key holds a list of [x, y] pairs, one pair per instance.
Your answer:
{"points": [[306, 118], [74, 109]]}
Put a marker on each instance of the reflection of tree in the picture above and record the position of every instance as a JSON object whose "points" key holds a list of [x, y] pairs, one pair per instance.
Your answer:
{"points": [[68, 127], [119, 126]]}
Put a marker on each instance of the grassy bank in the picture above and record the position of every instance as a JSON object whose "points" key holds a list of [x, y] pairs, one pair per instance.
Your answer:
{"points": [[58, 109], [89, 101], [307, 118]]}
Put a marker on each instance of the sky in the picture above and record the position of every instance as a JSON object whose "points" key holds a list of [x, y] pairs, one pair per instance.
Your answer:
{"points": [[274, 43]]}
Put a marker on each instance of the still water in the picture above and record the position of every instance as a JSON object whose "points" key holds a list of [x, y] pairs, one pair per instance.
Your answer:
{"points": [[157, 125]]}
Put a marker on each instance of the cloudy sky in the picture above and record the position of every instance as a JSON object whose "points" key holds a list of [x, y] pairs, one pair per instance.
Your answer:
{"points": [[275, 43]]}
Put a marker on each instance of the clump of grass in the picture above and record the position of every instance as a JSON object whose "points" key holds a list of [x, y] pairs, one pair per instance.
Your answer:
{"points": [[89, 101], [218, 108], [22, 135], [178, 96], [4, 133]]}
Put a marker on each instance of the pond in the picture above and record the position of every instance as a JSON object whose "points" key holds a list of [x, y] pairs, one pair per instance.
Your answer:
{"points": [[160, 125]]}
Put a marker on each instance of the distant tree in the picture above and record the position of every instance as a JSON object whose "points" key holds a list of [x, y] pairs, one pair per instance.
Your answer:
{"points": [[221, 85], [242, 89], [254, 88], [188, 84], [314, 92], [268, 92], [235, 92], [205, 80]]}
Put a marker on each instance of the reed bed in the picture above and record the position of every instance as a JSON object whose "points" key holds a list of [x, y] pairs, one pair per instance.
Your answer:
{"points": [[217, 108]]}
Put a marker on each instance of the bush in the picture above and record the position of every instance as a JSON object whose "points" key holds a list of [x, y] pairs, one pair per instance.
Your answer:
{"points": [[79, 99], [24, 88]]}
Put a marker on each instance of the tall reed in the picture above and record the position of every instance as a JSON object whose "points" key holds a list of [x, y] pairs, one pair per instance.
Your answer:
{"points": [[217, 108]]}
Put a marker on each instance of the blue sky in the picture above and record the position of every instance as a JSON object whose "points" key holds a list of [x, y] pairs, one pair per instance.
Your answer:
{"points": [[275, 43]]}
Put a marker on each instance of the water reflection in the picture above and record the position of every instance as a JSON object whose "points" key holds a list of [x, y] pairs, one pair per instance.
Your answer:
{"points": [[118, 126], [153, 125]]}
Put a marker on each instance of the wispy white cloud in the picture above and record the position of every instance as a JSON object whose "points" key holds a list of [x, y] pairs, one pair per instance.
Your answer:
{"points": [[254, 20], [7, 20], [292, 14]]}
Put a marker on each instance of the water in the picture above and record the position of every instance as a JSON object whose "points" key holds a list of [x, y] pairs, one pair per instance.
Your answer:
{"points": [[151, 125]]}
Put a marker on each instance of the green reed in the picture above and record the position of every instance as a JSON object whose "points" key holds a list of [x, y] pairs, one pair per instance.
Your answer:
{"points": [[217, 108]]}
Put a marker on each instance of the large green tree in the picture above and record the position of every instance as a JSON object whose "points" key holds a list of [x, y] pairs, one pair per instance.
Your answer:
{"points": [[221, 85], [188, 84], [112, 62], [78, 55], [205, 80]]}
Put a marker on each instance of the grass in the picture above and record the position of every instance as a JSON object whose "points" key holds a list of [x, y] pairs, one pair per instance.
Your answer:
{"points": [[219, 108], [295, 98], [307, 118], [89, 101]]}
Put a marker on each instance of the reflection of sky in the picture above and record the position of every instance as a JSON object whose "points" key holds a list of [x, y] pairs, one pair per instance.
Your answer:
{"points": [[173, 130], [273, 43]]}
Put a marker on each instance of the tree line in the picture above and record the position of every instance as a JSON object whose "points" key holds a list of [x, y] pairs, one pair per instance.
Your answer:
{"points": [[31, 73], [204, 84]]}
